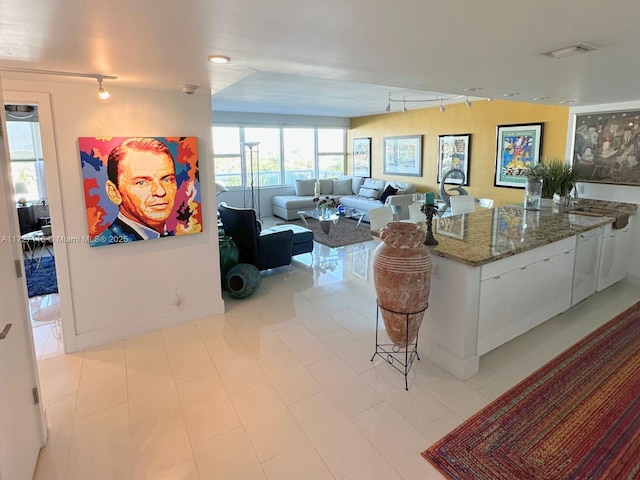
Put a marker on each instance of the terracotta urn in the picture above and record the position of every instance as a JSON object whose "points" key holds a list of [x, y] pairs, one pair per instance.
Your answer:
{"points": [[402, 278]]}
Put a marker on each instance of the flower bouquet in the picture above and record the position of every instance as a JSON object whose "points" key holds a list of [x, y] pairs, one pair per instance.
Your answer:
{"points": [[325, 206]]}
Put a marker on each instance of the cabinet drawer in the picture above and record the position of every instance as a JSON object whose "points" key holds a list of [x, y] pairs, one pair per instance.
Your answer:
{"points": [[507, 264], [553, 249]]}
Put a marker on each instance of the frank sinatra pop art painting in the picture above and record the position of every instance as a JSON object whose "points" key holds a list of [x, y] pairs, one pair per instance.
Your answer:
{"points": [[140, 188]]}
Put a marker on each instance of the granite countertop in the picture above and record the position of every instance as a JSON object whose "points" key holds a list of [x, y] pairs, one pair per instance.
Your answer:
{"points": [[485, 236]]}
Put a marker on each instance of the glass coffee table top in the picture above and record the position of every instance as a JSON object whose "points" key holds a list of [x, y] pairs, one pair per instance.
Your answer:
{"points": [[333, 217]]}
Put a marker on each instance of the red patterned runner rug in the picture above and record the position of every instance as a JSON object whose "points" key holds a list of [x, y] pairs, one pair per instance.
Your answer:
{"points": [[577, 417]]}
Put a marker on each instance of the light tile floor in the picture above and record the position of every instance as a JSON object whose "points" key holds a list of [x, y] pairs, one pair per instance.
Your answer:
{"points": [[280, 387]]}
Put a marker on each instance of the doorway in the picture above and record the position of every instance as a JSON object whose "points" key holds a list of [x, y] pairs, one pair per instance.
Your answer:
{"points": [[28, 174]]}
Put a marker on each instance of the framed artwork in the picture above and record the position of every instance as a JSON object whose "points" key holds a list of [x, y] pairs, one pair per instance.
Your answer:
{"points": [[451, 226], [403, 155], [518, 146], [453, 154], [360, 266], [140, 188], [606, 147], [362, 157], [507, 229]]}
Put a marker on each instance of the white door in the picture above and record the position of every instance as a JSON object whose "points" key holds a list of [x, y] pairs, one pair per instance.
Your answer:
{"points": [[20, 419]]}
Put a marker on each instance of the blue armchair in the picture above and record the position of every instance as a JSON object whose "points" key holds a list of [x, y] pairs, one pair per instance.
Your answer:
{"points": [[269, 250]]}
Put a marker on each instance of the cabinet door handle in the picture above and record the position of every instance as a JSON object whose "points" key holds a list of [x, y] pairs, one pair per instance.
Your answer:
{"points": [[497, 277], [567, 252], [5, 331], [547, 259], [524, 267]]}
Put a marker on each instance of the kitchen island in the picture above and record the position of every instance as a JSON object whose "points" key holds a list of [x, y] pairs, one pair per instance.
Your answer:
{"points": [[496, 274]]}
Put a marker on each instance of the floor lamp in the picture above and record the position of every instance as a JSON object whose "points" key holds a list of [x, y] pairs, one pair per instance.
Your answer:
{"points": [[251, 156]]}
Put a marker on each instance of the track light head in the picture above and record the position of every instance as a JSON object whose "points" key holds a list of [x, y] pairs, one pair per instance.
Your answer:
{"points": [[388, 109], [404, 105], [467, 102], [103, 94], [442, 109]]}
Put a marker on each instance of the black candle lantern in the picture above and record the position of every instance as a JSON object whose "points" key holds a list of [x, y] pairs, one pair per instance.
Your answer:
{"points": [[429, 209]]}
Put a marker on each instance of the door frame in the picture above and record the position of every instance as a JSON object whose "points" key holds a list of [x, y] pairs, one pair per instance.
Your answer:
{"points": [[54, 195]]}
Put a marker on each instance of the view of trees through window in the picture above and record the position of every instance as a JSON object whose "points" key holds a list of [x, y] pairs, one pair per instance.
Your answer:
{"points": [[283, 155]]}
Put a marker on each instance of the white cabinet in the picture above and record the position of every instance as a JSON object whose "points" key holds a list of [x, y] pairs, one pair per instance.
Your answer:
{"points": [[614, 255], [520, 292], [585, 272]]}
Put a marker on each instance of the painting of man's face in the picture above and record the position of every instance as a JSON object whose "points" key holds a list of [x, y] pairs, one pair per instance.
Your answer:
{"points": [[140, 188]]}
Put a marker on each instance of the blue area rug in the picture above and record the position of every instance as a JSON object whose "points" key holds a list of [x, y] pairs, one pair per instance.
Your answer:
{"points": [[42, 280]]}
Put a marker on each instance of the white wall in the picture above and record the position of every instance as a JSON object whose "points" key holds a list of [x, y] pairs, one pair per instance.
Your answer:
{"points": [[122, 290], [615, 193]]}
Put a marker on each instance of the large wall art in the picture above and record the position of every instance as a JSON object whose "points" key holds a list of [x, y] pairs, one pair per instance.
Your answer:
{"points": [[518, 147], [606, 147], [140, 188]]}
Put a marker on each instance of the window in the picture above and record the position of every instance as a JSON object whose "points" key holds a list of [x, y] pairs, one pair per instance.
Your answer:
{"points": [[299, 154], [25, 151], [269, 165], [226, 154], [331, 146], [285, 154]]}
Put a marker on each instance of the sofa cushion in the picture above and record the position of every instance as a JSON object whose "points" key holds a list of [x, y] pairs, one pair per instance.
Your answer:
{"points": [[356, 183], [326, 186], [403, 187], [387, 193], [293, 202], [342, 187], [371, 188], [305, 187]]}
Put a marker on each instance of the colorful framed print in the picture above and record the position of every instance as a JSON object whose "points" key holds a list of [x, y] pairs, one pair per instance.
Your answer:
{"points": [[362, 157], [453, 154], [140, 188], [606, 147], [403, 156], [518, 146], [451, 226]]}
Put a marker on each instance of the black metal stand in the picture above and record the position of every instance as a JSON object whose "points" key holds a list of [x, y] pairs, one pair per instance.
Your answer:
{"points": [[429, 210], [391, 353]]}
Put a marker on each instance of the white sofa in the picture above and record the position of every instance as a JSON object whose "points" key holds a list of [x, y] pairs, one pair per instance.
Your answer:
{"points": [[352, 192]]}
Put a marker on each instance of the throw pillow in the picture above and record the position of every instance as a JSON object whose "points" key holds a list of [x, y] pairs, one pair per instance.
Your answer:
{"points": [[304, 188], [368, 192], [387, 193], [326, 186], [342, 187]]}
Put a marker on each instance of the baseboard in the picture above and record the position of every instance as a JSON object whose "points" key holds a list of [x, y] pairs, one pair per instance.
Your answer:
{"points": [[118, 332]]}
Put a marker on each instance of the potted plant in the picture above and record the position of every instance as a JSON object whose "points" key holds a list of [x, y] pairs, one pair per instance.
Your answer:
{"points": [[560, 180], [533, 188]]}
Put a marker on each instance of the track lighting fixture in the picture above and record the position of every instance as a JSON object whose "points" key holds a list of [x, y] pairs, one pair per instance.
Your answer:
{"points": [[102, 92], [436, 99]]}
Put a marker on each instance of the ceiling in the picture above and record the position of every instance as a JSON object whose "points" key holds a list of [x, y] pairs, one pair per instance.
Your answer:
{"points": [[335, 58]]}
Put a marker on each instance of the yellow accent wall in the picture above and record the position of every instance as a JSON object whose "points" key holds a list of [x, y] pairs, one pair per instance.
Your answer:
{"points": [[480, 121]]}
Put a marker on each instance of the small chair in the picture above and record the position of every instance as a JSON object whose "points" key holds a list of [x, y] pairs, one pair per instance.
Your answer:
{"points": [[379, 217], [274, 249], [462, 204]]}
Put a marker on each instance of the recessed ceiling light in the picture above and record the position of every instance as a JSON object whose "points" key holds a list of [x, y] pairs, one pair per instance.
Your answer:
{"points": [[567, 101], [542, 99], [570, 51], [472, 89], [515, 94], [221, 59]]}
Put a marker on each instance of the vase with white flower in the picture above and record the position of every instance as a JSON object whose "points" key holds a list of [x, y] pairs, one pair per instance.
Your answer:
{"points": [[325, 206]]}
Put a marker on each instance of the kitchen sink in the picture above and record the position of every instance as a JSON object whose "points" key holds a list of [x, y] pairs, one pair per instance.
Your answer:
{"points": [[621, 218]]}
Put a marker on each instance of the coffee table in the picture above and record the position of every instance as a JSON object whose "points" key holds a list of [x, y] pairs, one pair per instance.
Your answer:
{"points": [[31, 240], [325, 222]]}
